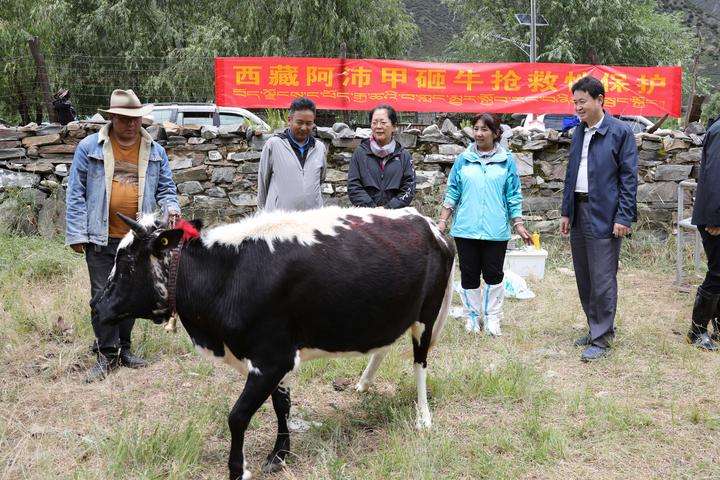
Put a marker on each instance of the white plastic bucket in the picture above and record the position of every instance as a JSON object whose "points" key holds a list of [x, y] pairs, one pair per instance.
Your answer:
{"points": [[526, 262]]}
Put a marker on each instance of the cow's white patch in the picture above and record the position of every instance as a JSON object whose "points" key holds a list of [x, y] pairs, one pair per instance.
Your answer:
{"points": [[436, 231], [444, 308], [242, 365], [127, 240], [253, 370], [285, 382], [206, 352], [313, 353], [424, 419], [148, 220], [162, 293], [157, 270], [417, 330], [369, 374], [302, 227]]}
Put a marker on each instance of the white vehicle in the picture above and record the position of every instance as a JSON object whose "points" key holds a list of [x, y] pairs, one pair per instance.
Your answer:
{"points": [[205, 114], [637, 123]]}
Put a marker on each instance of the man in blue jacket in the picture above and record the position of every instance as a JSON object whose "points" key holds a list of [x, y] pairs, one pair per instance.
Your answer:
{"points": [[119, 169], [598, 209], [706, 215]]}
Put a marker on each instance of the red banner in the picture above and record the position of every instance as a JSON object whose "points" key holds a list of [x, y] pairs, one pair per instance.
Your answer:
{"points": [[361, 84]]}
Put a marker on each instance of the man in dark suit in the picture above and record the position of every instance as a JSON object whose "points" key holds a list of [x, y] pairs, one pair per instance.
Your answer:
{"points": [[598, 209], [706, 215]]}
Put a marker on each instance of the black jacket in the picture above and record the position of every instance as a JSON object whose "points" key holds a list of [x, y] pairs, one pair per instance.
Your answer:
{"points": [[371, 185], [707, 198]]}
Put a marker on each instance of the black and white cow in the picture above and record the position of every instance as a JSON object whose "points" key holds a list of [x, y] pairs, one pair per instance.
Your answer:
{"points": [[279, 288]]}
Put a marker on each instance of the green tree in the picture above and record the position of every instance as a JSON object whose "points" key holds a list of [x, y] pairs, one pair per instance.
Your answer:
{"points": [[165, 49], [20, 94], [609, 32], [107, 44]]}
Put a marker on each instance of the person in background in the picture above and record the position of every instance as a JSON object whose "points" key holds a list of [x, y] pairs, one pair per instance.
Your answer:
{"points": [[485, 201], [292, 163], [381, 171], [63, 108], [706, 215]]}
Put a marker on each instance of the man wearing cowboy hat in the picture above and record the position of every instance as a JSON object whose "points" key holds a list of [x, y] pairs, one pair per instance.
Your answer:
{"points": [[120, 169]]}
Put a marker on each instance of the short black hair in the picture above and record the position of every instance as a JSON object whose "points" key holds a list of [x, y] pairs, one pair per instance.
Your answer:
{"points": [[302, 103], [590, 85], [491, 122], [392, 114]]}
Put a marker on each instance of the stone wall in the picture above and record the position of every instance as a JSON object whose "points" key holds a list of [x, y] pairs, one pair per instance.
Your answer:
{"points": [[216, 170]]}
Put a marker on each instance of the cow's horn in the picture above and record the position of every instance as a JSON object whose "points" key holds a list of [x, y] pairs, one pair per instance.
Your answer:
{"points": [[137, 228]]}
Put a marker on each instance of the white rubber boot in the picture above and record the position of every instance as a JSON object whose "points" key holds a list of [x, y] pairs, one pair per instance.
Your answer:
{"points": [[472, 301], [494, 297]]}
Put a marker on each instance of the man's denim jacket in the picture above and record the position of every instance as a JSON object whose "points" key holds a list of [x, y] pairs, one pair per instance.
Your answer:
{"points": [[90, 184]]}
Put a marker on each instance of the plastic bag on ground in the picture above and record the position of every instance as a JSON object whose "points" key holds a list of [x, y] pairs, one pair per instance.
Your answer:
{"points": [[516, 286]]}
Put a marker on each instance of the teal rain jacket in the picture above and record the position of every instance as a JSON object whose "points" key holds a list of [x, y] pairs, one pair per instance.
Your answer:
{"points": [[484, 193]]}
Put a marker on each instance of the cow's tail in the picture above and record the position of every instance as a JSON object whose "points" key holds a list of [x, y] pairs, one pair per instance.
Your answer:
{"points": [[444, 308]]}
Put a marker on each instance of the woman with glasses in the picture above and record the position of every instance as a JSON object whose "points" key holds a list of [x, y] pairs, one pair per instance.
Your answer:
{"points": [[483, 196], [381, 171]]}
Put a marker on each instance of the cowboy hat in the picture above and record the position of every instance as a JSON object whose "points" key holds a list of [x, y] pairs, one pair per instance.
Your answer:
{"points": [[126, 103]]}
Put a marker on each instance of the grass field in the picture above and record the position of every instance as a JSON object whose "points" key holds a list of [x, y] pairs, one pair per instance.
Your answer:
{"points": [[521, 406]]}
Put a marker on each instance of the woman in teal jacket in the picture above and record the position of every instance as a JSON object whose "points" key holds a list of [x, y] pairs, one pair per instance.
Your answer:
{"points": [[483, 196]]}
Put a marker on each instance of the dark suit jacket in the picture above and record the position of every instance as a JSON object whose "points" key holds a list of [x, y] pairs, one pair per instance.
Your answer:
{"points": [[612, 176], [707, 198]]}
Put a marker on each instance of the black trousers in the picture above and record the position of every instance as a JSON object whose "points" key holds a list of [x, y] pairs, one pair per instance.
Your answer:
{"points": [[100, 260], [711, 244], [480, 258]]}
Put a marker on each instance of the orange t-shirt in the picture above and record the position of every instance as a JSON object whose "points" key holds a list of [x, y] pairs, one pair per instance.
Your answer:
{"points": [[124, 194]]}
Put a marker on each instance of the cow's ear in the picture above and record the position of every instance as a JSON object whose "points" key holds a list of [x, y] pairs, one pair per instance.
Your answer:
{"points": [[167, 240]]}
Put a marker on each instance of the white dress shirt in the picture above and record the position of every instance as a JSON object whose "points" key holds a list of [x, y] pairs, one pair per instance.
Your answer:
{"points": [[581, 185]]}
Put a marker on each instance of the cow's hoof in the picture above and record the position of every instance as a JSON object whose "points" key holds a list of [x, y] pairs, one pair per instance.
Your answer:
{"points": [[423, 423], [244, 475], [362, 387], [273, 467]]}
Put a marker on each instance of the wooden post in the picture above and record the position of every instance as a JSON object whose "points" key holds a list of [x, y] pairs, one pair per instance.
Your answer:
{"points": [[42, 76], [693, 88], [691, 97], [343, 56]]}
